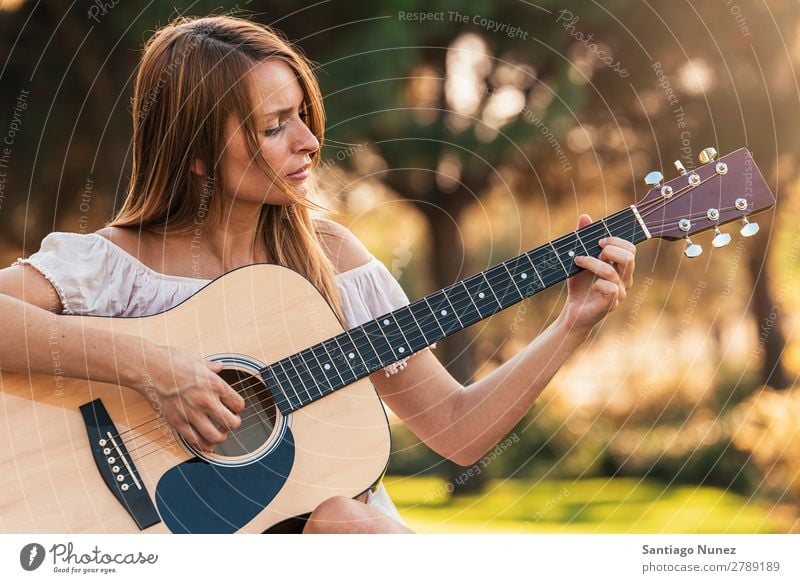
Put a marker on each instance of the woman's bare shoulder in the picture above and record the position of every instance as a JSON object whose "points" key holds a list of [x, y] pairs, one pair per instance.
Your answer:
{"points": [[344, 249]]}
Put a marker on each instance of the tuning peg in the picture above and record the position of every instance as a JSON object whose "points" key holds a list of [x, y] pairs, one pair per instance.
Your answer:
{"points": [[720, 239], [748, 229], [680, 167], [653, 178], [692, 250], [707, 155]]}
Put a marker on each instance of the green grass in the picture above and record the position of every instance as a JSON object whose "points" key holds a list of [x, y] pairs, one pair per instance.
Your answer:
{"points": [[621, 505]]}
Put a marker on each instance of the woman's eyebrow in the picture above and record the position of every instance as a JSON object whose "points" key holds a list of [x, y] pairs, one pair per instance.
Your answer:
{"points": [[283, 111]]}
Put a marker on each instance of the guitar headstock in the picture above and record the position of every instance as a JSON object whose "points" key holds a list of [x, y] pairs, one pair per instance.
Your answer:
{"points": [[718, 192]]}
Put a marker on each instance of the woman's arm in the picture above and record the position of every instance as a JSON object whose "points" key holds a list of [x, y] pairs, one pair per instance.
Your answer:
{"points": [[462, 423], [188, 391]]}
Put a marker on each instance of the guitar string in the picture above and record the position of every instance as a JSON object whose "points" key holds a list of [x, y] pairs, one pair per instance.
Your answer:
{"points": [[599, 226], [316, 369], [602, 224]]}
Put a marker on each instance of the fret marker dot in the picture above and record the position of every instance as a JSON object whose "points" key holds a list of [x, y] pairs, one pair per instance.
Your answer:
{"points": [[571, 253], [524, 276], [443, 312], [386, 322], [401, 350], [351, 355], [481, 295], [327, 366]]}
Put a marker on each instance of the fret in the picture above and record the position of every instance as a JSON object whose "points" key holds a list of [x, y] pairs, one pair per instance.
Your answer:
{"points": [[624, 228], [281, 398], [481, 295], [468, 312], [394, 341], [314, 374], [324, 371], [372, 360], [445, 315], [350, 350], [374, 331], [512, 279], [433, 314], [547, 268], [567, 243], [491, 290], [404, 348], [426, 318], [524, 274], [291, 384], [334, 358], [561, 263], [580, 240], [304, 375], [422, 332], [603, 222]]}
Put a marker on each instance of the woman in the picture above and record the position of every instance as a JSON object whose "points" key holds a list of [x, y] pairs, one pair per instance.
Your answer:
{"points": [[228, 123]]}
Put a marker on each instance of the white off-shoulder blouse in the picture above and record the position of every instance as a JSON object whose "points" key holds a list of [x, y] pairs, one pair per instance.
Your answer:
{"points": [[94, 276]]}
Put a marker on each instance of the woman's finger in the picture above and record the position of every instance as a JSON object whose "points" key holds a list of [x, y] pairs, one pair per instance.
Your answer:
{"points": [[623, 261], [599, 268]]}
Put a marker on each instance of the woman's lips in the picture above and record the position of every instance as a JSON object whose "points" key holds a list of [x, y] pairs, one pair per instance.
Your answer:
{"points": [[300, 174]]}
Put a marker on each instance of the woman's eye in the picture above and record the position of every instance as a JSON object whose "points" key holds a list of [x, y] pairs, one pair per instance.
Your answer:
{"points": [[274, 131]]}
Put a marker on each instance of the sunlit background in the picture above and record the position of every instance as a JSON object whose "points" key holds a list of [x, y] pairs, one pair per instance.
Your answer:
{"points": [[455, 142]]}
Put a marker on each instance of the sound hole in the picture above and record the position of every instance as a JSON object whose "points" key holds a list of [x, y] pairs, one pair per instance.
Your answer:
{"points": [[258, 416]]}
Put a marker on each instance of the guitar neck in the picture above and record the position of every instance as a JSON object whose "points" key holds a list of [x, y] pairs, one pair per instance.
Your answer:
{"points": [[310, 374]]}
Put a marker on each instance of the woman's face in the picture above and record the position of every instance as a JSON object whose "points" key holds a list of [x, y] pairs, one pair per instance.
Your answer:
{"points": [[286, 142]]}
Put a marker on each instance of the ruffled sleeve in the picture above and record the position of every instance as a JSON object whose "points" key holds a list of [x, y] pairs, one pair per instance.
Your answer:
{"points": [[369, 291], [80, 268]]}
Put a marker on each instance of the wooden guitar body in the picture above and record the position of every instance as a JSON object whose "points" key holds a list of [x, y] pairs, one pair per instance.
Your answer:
{"points": [[281, 466]]}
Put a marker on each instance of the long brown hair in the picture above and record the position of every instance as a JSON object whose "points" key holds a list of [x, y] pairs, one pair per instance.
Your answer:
{"points": [[191, 77]]}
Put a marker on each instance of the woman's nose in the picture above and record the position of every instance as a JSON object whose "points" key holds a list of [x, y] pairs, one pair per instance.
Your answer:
{"points": [[305, 140]]}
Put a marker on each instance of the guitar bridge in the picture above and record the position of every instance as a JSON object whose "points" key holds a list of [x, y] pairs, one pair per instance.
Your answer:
{"points": [[116, 466]]}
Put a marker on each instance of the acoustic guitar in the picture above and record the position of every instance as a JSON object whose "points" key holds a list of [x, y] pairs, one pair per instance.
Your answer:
{"points": [[81, 456]]}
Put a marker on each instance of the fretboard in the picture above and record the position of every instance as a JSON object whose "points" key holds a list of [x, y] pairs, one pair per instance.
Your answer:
{"points": [[310, 374]]}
